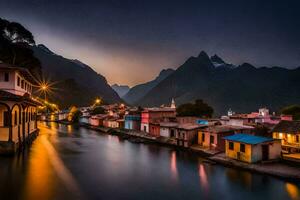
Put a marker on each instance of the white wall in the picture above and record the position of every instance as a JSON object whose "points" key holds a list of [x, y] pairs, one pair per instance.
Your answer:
{"points": [[11, 85], [164, 131]]}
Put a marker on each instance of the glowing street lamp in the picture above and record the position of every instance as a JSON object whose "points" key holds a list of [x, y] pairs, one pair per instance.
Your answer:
{"points": [[44, 88]]}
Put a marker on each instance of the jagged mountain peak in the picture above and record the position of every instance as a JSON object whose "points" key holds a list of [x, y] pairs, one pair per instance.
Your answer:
{"points": [[215, 58], [203, 54]]}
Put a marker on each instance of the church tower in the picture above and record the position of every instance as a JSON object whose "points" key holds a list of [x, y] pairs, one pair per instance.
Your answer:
{"points": [[173, 105]]}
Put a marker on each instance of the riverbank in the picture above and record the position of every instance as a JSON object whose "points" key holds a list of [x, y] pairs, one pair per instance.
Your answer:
{"points": [[277, 169]]}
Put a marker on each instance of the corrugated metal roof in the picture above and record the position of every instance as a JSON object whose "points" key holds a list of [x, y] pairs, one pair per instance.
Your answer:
{"points": [[248, 139]]}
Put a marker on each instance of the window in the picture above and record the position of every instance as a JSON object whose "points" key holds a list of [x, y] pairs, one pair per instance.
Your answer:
{"points": [[297, 138], [203, 137], [211, 139], [22, 84], [6, 76], [242, 148], [25, 86], [231, 145], [18, 81], [6, 118]]}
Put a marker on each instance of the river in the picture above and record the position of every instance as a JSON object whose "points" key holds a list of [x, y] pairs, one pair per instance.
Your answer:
{"points": [[76, 163]]}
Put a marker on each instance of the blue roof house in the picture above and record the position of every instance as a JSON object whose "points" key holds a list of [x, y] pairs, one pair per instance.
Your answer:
{"points": [[252, 149]]}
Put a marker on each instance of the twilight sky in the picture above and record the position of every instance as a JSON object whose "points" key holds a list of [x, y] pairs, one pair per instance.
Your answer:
{"points": [[130, 41]]}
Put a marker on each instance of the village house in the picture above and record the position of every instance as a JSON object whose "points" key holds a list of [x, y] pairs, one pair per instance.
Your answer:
{"points": [[186, 134], [289, 134], [18, 109], [133, 121], [97, 120], [168, 129], [84, 119], [263, 116], [113, 122], [212, 137], [252, 149], [153, 116]]}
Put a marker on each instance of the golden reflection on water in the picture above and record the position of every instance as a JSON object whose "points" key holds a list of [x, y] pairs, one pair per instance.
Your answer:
{"points": [[292, 191], [39, 181], [46, 171], [70, 128], [174, 166]]}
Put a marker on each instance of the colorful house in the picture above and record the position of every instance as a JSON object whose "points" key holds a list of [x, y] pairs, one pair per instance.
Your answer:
{"points": [[153, 116], [168, 129], [97, 120], [212, 136], [84, 119], [289, 134], [154, 129], [113, 122], [18, 109], [133, 121], [252, 149], [186, 134]]}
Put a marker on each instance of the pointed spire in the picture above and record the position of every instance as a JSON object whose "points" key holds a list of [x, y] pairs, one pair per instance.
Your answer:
{"points": [[173, 105]]}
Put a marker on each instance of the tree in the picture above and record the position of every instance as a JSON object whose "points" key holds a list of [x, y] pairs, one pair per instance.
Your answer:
{"points": [[15, 42], [98, 110], [293, 110], [76, 115], [197, 109]]}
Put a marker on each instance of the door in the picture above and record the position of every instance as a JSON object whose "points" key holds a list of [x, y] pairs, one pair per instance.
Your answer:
{"points": [[265, 152]]}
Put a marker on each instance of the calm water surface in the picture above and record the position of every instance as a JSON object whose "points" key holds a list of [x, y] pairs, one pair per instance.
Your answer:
{"points": [[69, 162]]}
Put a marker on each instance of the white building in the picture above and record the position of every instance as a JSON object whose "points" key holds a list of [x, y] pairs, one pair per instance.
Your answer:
{"points": [[18, 121]]}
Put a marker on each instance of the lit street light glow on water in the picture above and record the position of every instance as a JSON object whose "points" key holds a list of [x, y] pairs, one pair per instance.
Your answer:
{"points": [[70, 162]]}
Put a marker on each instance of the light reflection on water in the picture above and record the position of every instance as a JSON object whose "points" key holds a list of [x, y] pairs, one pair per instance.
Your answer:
{"points": [[66, 158], [173, 165]]}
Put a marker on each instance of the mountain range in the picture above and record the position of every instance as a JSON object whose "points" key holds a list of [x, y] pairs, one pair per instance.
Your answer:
{"points": [[136, 93], [75, 83], [242, 88], [120, 89]]}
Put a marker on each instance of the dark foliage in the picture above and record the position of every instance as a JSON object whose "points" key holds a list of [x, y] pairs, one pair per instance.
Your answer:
{"points": [[293, 110], [197, 109], [98, 110], [76, 115], [15, 41]]}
